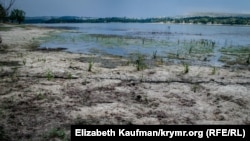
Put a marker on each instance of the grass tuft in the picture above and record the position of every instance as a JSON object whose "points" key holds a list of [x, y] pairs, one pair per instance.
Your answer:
{"points": [[213, 71], [140, 65], [90, 66], [56, 133], [186, 68], [154, 54], [49, 75]]}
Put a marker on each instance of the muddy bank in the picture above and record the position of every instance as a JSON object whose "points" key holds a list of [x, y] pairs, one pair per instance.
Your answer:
{"points": [[44, 92]]}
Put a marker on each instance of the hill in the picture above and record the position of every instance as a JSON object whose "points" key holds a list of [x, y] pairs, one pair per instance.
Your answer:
{"points": [[196, 18]]}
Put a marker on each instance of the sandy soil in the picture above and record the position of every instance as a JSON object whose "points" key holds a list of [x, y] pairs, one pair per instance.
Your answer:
{"points": [[42, 93]]}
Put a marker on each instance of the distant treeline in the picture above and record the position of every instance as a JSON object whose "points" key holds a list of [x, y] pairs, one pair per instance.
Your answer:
{"points": [[193, 20]]}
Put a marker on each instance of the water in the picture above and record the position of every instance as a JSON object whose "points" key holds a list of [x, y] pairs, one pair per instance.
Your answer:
{"points": [[194, 43]]}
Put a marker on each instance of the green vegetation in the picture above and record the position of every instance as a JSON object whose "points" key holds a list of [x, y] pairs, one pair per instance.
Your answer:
{"points": [[14, 74], [190, 50], [235, 55], [248, 59], [49, 75], [24, 62], [69, 75], [56, 133], [17, 15], [195, 88], [141, 77], [90, 66], [3, 13], [201, 46], [139, 62], [230, 20], [213, 71], [155, 54], [40, 96], [186, 68], [236, 50], [4, 28], [215, 20]]}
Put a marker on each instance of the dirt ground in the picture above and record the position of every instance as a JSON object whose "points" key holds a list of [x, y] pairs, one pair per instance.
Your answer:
{"points": [[43, 92]]}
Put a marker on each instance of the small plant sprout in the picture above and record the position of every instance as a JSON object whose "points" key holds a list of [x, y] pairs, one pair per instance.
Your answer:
{"points": [[190, 50], [140, 65], [49, 75], [56, 133], [90, 66], [195, 88], [177, 54], [14, 77], [69, 75], [73, 39], [20, 55], [248, 59], [186, 68], [141, 77], [146, 99], [155, 54], [213, 71], [40, 96], [24, 62], [143, 40], [162, 61]]}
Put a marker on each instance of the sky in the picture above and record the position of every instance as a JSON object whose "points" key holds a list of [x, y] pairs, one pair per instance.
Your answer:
{"points": [[130, 8]]}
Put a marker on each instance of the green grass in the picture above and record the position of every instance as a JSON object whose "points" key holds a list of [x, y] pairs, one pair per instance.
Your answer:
{"points": [[56, 133], [161, 60], [140, 62], [33, 45], [186, 68], [20, 54], [235, 50], [248, 59], [233, 59], [40, 96], [195, 88], [14, 74], [90, 65], [155, 54], [141, 77], [49, 75], [24, 62], [190, 50], [197, 46], [3, 28], [69, 75], [213, 71]]}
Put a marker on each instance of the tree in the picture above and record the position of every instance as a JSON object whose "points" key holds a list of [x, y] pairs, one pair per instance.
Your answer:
{"points": [[2, 13], [17, 15], [7, 4]]}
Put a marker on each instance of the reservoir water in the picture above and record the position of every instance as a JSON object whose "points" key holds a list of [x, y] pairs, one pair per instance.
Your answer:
{"points": [[194, 43]]}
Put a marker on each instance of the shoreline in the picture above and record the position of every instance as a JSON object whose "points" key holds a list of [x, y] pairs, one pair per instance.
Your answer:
{"points": [[43, 91]]}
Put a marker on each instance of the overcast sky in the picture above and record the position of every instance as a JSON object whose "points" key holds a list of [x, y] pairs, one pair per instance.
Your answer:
{"points": [[129, 8]]}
